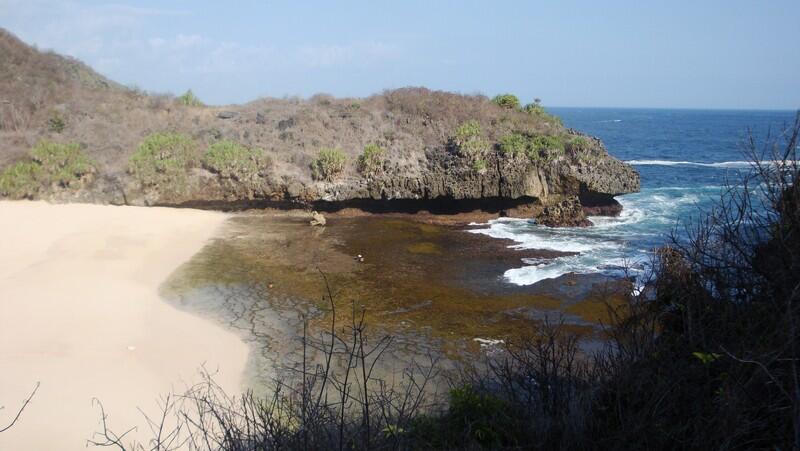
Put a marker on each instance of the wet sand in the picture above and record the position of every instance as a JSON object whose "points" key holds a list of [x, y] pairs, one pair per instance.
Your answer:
{"points": [[80, 312]]}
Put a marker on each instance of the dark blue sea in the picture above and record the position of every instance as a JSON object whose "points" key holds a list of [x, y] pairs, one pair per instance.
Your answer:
{"points": [[684, 157]]}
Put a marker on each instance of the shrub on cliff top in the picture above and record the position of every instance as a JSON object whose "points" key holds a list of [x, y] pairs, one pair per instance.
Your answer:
{"points": [[578, 144], [513, 144], [230, 159], [328, 165], [509, 101], [371, 161], [546, 143], [467, 138], [164, 158], [189, 99], [536, 109], [52, 164]]}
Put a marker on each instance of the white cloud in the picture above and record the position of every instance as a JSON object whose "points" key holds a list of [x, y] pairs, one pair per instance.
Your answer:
{"points": [[156, 43], [129, 44], [332, 55], [183, 41]]}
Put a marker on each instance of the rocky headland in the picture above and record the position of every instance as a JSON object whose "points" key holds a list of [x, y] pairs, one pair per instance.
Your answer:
{"points": [[70, 135]]}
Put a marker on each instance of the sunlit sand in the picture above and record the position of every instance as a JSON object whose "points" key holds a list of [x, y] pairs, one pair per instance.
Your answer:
{"points": [[80, 312]]}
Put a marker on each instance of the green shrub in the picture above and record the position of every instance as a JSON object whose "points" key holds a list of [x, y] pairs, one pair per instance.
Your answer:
{"points": [[52, 164], [230, 159], [509, 101], [164, 158], [56, 123], [189, 99], [21, 180], [61, 164], [468, 140], [479, 166], [513, 144], [328, 165], [544, 147], [535, 108], [546, 142], [371, 161], [485, 416], [578, 144]]}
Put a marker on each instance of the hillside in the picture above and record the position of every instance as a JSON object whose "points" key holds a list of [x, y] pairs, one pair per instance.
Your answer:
{"points": [[425, 149]]}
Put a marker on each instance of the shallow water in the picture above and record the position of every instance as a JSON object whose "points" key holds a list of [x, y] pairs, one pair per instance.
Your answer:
{"points": [[444, 292], [435, 289]]}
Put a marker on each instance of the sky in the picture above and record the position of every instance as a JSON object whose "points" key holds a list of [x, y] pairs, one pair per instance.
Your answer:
{"points": [[663, 54]]}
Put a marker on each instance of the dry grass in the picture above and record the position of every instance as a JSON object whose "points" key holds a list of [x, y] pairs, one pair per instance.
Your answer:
{"points": [[111, 121]]}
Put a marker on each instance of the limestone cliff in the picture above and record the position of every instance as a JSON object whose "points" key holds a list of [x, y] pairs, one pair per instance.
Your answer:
{"points": [[437, 150]]}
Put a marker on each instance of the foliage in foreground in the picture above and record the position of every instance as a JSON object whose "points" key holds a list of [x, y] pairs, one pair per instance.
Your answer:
{"points": [[705, 356], [52, 165]]}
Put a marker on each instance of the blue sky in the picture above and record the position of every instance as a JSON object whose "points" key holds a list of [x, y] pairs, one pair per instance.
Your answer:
{"points": [[694, 54]]}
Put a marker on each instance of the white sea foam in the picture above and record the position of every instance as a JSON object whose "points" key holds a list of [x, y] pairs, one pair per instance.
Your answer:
{"points": [[614, 243], [720, 164]]}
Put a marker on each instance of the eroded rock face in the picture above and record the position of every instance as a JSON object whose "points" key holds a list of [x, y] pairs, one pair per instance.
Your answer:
{"points": [[566, 213], [547, 183], [560, 191]]}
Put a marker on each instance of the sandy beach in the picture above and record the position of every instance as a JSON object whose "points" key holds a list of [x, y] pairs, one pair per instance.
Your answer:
{"points": [[80, 313]]}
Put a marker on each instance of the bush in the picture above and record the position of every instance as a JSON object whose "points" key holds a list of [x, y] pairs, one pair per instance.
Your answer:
{"points": [[578, 144], [21, 180], [189, 99], [484, 416], [61, 164], [52, 164], [230, 159], [164, 158], [468, 140], [509, 101], [371, 161], [535, 108], [479, 166], [513, 144], [550, 146], [538, 110], [328, 165], [56, 123], [535, 147]]}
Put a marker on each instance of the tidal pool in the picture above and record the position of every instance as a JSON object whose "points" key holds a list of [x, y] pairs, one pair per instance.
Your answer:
{"points": [[433, 288]]}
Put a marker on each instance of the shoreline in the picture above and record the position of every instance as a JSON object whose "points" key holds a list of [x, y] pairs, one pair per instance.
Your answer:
{"points": [[81, 313]]}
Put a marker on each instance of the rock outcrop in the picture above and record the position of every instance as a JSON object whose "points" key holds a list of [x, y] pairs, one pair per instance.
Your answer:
{"points": [[418, 162], [567, 213]]}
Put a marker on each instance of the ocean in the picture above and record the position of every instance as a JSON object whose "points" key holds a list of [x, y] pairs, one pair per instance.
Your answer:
{"points": [[684, 157]]}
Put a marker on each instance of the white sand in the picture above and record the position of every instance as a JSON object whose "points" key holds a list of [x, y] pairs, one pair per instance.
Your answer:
{"points": [[80, 312]]}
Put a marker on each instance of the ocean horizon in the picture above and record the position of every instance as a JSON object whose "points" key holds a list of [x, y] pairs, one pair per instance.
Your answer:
{"points": [[685, 157]]}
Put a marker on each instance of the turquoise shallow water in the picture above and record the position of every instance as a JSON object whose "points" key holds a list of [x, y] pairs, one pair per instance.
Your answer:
{"points": [[684, 157]]}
